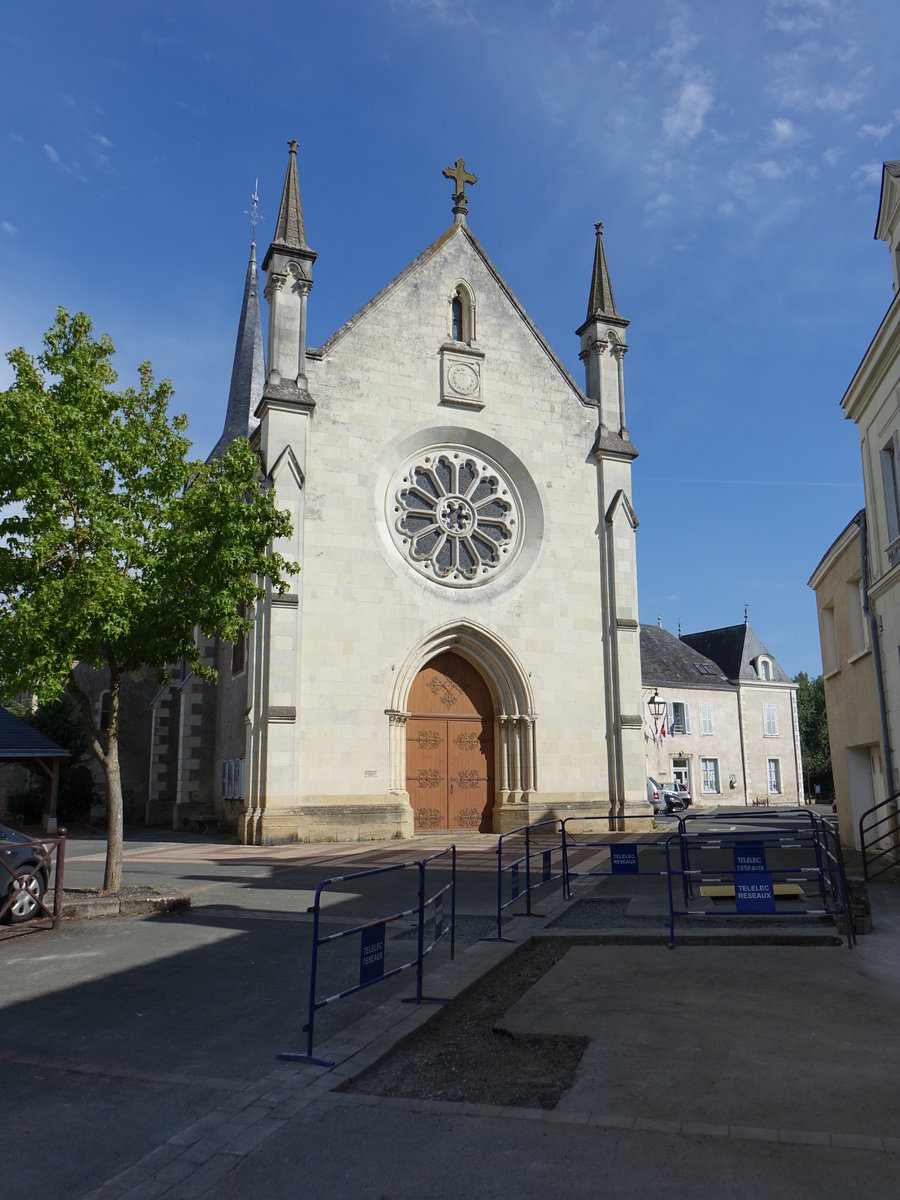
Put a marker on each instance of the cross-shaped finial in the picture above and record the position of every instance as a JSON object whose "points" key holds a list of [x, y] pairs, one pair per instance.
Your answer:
{"points": [[293, 145], [253, 212], [460, 177]]}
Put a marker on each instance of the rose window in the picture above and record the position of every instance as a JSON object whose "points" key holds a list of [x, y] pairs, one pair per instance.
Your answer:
{"points": [[455, 517]]}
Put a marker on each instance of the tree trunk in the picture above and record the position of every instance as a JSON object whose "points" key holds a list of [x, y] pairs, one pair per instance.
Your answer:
{"points": [[112, 877]]}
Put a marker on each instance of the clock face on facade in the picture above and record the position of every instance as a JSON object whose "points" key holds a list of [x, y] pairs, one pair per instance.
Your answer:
{"points": [[455, 516], [463, 379]]}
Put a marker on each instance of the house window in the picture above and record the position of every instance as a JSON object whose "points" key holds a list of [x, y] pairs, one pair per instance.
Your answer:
{"points": [[774, 773], [770, 720], [709, 776], [679, 717], [707, 727], [765, 669], [830, 661], [889, 481], [859, 632]]}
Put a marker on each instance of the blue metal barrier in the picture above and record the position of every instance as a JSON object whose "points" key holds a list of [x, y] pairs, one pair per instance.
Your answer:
{"points": [[373, 940], [625, 857], [740, 859], [514, 868]]}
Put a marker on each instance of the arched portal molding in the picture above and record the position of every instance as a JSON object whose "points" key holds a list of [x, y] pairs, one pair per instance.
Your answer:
{"points": [[507, 682], [515, 726]]}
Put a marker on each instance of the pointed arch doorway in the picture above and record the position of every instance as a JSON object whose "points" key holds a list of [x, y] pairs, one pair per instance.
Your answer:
{"points": [[450, 746]]}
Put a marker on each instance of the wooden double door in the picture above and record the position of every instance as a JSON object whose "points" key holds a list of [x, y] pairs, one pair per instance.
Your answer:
{"points": [[450, 747]]}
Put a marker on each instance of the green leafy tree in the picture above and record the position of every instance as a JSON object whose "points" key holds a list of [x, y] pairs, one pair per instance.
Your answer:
{"points": [[813, 723], [115, 547]]}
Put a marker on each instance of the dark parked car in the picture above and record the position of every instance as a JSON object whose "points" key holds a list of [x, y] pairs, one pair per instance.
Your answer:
{"points": [[23, 876]]}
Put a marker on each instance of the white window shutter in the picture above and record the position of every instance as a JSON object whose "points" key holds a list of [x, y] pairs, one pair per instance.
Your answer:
{"points": [[687, 718]]}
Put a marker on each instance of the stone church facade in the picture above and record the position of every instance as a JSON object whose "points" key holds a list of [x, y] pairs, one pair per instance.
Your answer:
{"points": [[460, 648]]}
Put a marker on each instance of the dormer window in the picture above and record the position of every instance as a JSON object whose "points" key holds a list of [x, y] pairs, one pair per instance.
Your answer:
{"points": [[764, 669], [462, 315]]}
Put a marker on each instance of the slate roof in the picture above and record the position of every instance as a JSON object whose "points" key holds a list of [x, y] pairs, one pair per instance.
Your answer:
{"points": [[666, 661], [19, 740], [734, 649]]}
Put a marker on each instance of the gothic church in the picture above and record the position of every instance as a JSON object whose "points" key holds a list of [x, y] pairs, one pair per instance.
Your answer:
{"points": [[460, 648]]}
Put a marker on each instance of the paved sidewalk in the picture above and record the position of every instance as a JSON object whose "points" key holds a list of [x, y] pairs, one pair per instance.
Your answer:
{"points": [[715, 1070]]}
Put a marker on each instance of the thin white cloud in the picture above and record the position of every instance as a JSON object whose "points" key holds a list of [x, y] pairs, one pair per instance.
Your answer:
{"points": [[877, 132], [73, 169], [869, 173], [796, 16], [9, 229], [683, 120], [784, 132], [443, 12]]}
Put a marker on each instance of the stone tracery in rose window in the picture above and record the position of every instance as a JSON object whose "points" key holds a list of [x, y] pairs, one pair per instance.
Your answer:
{"points": [[455, 517]]}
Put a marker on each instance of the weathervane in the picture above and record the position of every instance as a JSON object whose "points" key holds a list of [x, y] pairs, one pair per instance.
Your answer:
{"points": [[253, 212]]}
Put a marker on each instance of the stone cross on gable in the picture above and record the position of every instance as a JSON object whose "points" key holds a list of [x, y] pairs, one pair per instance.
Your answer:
{"points": [[460, 177]]}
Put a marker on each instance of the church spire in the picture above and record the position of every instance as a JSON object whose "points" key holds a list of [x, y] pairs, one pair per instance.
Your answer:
{"points": [[601, 301], [248, 372], [603, 349], [290, 231], [288, 265]]}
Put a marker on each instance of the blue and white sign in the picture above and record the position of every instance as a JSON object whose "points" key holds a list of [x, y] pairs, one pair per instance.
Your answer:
{"points": [[371, 953], [623, 858], [751, 856], [754, 892]]}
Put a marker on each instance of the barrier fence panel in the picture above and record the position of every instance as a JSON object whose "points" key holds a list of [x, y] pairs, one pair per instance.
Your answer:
{"points": [[440, 928], [754, 868], [627, 855], [26, 868], [517, 880], [373, 968]]}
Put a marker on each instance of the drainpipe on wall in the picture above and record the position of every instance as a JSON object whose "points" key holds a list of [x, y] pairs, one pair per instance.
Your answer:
{"points": [[876, 648]]}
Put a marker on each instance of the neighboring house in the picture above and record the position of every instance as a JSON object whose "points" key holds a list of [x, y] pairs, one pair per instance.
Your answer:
{"points": [[460, 648], [24, 747], [730, 730], [851, 680], [872, 401]]}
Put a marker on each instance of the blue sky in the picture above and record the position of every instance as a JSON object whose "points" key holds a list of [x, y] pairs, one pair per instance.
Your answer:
{"points": [[732, 149]]}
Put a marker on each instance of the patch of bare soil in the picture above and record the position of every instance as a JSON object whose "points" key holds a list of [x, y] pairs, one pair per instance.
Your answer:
{"points": [[459, 1055]]}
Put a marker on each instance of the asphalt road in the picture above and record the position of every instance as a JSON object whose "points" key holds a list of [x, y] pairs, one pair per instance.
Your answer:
{"points": [[118, 1032]]}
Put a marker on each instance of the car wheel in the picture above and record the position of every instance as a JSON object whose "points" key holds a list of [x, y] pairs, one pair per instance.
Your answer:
{"points": [[25, 893]]}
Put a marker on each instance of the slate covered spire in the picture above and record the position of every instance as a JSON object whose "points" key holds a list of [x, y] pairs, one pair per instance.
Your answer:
{"points": [[601, 302], [248, 372]]}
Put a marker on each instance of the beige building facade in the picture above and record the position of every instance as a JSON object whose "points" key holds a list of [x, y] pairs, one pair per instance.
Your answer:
{"points": [[860, 636], [460, 648], [849, 669], [730, 731]]}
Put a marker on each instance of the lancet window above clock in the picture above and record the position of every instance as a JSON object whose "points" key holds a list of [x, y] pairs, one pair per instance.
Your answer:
{"points": [[462, 314]]}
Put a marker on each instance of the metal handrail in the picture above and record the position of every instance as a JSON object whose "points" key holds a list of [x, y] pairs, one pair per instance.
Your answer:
{"points": [[890, 816]]}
